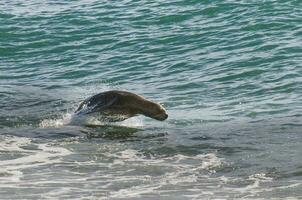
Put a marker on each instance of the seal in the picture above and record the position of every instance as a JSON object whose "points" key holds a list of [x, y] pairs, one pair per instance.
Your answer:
{"points": [[118, 105]]}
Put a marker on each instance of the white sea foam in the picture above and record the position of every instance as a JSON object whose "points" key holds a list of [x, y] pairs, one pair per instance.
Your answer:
{"points": [[193, 174], [64, 120], [180, 171], [126, 174], [12, 169]]}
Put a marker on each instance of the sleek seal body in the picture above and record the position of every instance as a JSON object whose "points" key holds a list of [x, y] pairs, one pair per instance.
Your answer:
{"points": [[120, 105]]}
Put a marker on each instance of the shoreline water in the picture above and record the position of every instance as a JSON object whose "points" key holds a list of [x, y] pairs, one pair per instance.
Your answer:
{"points": [[228, 74]]}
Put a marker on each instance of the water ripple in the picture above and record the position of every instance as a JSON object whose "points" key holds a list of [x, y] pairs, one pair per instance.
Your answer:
{"points": [[211, 63]]}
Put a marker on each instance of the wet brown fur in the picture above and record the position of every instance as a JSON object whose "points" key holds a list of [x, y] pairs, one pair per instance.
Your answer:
{"points": [[126, 103]]}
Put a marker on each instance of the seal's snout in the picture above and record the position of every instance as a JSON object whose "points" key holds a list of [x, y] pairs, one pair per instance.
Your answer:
{"points": [[165, 116], [162, 114], [161, 117]]}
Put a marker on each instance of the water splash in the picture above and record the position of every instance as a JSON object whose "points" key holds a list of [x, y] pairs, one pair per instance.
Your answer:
{"points": [[65, 120], [83, 120]]}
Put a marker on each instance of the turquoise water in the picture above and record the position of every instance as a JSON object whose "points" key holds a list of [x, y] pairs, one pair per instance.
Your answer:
{"points": [[228, 73]]}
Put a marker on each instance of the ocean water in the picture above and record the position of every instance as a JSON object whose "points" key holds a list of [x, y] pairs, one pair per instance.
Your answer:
{"points": [[228, 73]]}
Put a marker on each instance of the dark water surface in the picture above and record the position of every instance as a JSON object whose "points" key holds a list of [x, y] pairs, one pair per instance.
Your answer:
{"points": [[228, 73]]}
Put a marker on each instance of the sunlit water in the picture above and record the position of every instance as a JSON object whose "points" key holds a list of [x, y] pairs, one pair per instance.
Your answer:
{"points": [[228, 73]]}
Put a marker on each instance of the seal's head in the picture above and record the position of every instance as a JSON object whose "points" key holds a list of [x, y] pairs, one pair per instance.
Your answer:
{"points": [[154, 110], [159, 113]]}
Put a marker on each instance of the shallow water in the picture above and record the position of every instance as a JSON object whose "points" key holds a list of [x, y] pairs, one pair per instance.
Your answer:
{"points": [[228, 73]]}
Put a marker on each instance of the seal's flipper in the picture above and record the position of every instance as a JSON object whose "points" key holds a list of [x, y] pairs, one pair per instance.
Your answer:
{"points": [[95, 104], [103, 104], [80, 106]]}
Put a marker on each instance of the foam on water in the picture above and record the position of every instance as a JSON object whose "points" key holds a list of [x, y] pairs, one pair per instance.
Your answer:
{"points": [[229, 73], [65, 120], [31, 156], [119, 172], [71, 119], [180, 171]]}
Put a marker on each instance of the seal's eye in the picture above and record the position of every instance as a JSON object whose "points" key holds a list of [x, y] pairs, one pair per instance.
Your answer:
{"points": [[159, 110]]}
